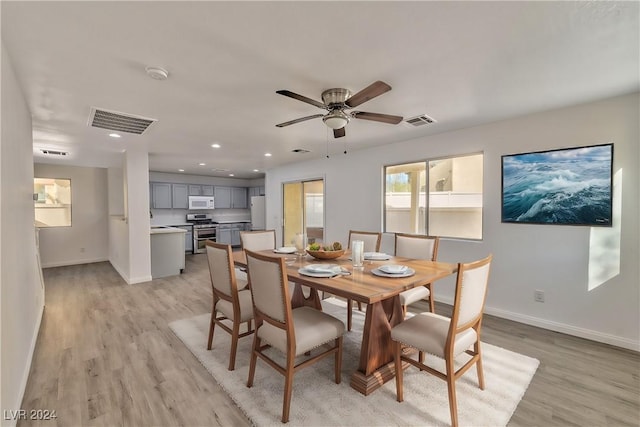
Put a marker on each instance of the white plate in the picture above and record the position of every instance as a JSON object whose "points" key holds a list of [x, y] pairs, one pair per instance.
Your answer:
{"points": [[325, 273], [407, 273], [285, 250], [323, 268], [376, 256], [393, 268]]}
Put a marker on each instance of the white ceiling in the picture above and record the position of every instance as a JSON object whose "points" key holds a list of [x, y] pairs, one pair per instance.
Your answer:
{"points": [[463, 63]]}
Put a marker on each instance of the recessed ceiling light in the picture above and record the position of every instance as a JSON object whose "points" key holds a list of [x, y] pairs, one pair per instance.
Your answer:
{"points": [[114, 135], [267, 154], [215, 145], [202, 164], [180, 170], [157, 73], [256, 170], [231, 174]]}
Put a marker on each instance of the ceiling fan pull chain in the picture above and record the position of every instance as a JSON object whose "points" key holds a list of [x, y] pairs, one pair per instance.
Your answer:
{"points": [[327, 135]]}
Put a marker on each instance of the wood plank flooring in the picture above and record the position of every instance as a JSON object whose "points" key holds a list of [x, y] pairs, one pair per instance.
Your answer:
{"points": [[106, 357]]}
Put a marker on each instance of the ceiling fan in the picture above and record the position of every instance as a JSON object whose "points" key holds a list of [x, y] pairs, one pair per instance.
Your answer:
{"points": [[337, 101]]}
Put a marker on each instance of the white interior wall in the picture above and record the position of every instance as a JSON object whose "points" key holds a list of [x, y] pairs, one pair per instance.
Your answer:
{"points": [[136, 180], [554, 259], [22, 292], [87, 239]]}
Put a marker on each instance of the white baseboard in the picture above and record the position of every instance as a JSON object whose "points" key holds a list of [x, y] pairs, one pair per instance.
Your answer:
{"points": [[559, 327], [27, 368], [73, 262]]}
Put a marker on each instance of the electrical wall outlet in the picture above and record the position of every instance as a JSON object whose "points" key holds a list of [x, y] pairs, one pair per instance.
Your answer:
{"points": [[538, 295]]}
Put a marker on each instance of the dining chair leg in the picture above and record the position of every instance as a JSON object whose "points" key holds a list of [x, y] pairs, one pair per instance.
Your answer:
{"points": [[234, 345], [359, 306], [432, 303], [397, 358], [421, 358], [349, 314], [254, 358], [479, 365], [451, 387], [338, 361], [288, 388], [211, 327]]}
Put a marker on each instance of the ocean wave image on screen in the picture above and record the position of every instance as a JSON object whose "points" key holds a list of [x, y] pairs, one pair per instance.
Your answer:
{"points": [[558, 187]]}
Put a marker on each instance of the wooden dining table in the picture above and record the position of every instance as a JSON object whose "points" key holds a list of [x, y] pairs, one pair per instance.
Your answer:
{"points": [[380, 294]]}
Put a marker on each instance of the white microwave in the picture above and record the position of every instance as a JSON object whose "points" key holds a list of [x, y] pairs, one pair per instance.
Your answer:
{"points": [[200, 202]]}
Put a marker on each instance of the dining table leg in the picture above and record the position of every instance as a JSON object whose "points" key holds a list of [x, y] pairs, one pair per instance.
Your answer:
{"points": [[376, 353], [298, 299]]}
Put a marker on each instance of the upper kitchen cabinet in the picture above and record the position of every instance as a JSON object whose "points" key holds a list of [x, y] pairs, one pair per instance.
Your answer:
{"points": [[230, 197], [256, 191], [200, 190], [167, 196], [160, 195], [180, 196]]}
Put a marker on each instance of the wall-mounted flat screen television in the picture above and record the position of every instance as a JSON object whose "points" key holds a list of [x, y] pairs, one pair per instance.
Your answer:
{"points": [[567, 186]]}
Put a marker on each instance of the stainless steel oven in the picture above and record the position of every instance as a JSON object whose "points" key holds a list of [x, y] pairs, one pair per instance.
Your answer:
{"points": [[203, 229], [202, 233]]}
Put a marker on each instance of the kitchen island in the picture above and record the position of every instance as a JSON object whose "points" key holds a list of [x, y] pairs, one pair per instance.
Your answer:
{"points": [[167, 251]]}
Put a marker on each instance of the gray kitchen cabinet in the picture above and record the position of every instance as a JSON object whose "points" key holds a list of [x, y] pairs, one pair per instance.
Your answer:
{"points": [[222, 197], [207, 190], [161, 195], [239, 198], [224, 234], [195, 190], [180, 196], [256, 191], [235, 233]]}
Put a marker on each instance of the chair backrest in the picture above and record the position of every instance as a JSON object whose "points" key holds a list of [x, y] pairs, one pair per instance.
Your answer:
{"points": [[223, 277], [471, 292], [258, 240], [269, 286], [371, 239], [417, 246]]}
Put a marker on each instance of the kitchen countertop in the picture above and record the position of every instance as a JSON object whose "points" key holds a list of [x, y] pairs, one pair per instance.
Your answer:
{"points": [[162, 229], [245, 221]]}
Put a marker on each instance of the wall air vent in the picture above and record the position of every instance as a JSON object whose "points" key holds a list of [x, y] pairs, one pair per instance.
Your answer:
{"points": [[121, 122], [420, 120], [54, 153], [300, 150]]}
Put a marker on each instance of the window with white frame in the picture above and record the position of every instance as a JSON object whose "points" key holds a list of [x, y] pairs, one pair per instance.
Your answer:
{"points": [[437, 197], [52, 202]]}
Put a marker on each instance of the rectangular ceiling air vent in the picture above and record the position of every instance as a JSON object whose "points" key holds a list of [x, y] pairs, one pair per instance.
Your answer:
{"points": [[54, 153], [300, 150], [420, 120], [120, 122]]}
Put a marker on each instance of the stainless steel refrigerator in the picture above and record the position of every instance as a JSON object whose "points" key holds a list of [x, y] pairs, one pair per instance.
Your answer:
{"points": [[258, 213]]}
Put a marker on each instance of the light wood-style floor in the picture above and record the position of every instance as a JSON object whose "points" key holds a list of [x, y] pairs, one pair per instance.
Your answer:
{"points": [[106, 357]]}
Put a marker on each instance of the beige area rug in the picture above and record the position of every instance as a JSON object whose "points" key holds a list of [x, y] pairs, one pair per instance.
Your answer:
{"points": [[318, 401]]}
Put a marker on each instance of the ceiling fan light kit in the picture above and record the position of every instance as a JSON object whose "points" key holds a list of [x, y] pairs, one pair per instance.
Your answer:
{"points": [[336, 101], [336, 119]]}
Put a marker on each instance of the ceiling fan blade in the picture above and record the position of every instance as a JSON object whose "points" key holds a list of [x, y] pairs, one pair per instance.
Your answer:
{"points": [[301, 119], [376, 117], [369, 92], [301, 98], [339, 133]]}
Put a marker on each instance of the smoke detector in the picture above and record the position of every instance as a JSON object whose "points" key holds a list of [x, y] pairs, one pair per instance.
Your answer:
{"points": [[157, 73]]}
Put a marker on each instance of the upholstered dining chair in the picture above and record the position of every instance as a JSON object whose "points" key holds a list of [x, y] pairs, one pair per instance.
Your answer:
{"points": [[258, 240], [294, 332], [447, 337], [417, 247], [371, 241], [232, 304]]}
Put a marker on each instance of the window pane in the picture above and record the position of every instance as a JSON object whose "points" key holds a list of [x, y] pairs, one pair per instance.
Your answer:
{"points": [[454, 186], [405, 199], [455, 197], [52, 202]]}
